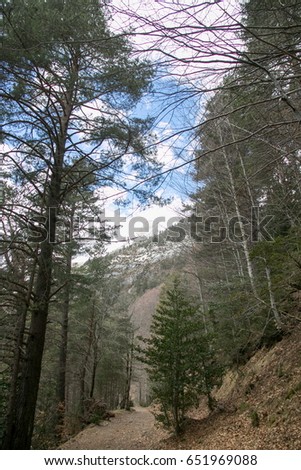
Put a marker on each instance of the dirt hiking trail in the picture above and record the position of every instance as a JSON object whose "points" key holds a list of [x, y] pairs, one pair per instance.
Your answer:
{"points": [[129, 430]]}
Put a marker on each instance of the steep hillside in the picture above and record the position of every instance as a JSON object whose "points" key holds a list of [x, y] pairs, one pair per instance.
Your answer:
{"points": [[258, 405], [141, 312]]}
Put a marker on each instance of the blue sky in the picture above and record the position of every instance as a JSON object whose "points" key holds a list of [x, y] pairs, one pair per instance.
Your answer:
{"points": [[174, 148]]}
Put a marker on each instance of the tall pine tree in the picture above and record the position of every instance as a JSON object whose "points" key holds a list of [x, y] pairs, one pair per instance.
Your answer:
{"points": [[69, 84]]}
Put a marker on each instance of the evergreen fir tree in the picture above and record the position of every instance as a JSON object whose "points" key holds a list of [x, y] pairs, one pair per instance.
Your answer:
{"points": [[178, 356]]}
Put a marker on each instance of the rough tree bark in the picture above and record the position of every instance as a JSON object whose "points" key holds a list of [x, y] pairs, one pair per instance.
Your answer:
{"points": [[20, 435]]}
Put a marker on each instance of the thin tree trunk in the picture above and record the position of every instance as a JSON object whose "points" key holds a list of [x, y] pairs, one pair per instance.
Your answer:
{"points": [[97, 334], [224, 266], [242, 164], [94, 369], [277, 318], [241, 226], [239, 265], [61, 383], [225, 218], [129, 372], [85, 363]]}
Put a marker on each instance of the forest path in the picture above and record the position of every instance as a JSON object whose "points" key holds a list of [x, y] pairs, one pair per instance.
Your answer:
{"points": [[129, 430]]}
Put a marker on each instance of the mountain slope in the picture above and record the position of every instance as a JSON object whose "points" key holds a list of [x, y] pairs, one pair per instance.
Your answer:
{"points": [[259, 404], [141, 312]]}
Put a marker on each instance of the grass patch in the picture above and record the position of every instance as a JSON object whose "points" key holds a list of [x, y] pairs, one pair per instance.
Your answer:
{"points": [[254, 416], [243, 407], [293, 391]]}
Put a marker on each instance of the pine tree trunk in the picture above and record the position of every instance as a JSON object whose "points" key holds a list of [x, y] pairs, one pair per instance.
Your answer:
{"points": [[94, 369], [129, 371], [21, 434], [61, 383], [17, 364], [85, 363]]}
